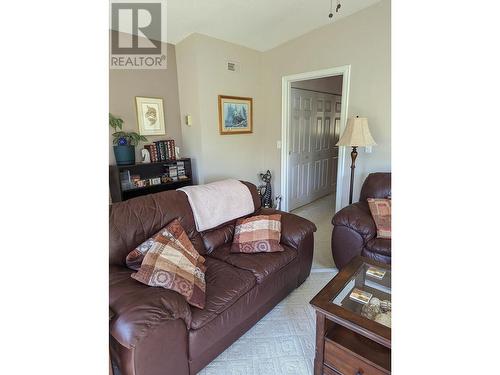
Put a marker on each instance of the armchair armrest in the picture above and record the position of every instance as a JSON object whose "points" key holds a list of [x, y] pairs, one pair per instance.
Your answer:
{"points": [[140, 308], [357, 217], [353, 227]]}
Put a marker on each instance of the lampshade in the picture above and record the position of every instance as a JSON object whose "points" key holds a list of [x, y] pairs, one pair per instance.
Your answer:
{"points": [[356, 133]]}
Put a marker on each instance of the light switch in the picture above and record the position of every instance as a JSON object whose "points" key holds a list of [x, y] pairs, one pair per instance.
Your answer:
{"points": [[189, 121], [278, 145]]}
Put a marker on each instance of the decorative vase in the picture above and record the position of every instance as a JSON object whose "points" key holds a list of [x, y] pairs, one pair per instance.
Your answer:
{"points": [[124, 155]]}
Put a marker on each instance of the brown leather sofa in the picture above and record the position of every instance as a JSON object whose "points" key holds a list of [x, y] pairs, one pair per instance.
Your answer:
{"points": [[154, 330], [354, 231]]}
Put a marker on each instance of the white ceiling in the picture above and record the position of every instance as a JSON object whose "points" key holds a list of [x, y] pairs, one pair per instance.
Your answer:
{"points": [[257, 24]]}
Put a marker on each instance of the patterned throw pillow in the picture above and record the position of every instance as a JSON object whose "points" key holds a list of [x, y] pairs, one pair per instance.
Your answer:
{"points": [[381, 212], [169, 264], [135, 257], [257, 234]]}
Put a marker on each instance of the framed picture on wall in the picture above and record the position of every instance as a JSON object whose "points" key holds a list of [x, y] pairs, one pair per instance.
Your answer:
{"points": [[235, 115], [150, 118]]}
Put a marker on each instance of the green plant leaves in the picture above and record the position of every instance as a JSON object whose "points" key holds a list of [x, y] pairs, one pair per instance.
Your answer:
{"points": [[115, 122], [132, 137]]}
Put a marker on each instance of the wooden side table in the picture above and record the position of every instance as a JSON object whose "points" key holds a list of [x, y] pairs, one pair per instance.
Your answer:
{"points": [[346, 342]]}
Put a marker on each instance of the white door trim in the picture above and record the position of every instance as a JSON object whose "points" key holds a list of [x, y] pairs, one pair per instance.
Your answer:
{"points": [[286, 85]]}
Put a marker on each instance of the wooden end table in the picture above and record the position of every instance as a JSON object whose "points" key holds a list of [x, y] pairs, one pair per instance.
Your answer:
{"points": [[347, 342]]}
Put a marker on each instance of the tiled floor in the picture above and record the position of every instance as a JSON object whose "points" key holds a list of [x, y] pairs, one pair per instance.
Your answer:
{"points": [[281, 343], [320, 212]]}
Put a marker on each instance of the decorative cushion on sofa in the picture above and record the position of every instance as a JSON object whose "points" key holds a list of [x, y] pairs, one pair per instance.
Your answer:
{"points": [[174, 228], [381, 213], [168, 263], [257, 234]]}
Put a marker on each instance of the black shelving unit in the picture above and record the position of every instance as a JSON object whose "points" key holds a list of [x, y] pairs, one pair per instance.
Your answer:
{"points": [[146, 171]]}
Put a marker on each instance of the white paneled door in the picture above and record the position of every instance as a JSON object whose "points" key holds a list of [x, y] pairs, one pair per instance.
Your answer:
{"points": [[313, 156]]}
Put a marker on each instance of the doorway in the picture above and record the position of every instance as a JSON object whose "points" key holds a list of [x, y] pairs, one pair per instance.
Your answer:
{"points": [[312, 172], [314, 130], [309, 133]]}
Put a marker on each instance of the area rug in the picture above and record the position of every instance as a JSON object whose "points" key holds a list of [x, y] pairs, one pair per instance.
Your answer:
{"points": [[282, 342]]}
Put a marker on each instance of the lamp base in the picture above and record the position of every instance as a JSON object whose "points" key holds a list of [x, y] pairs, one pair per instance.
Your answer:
{"points": [[354, 155]]}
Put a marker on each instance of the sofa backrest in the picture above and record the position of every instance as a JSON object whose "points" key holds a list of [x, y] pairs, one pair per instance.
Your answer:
{"points": [[255, 194], [376, 185], [133, 221]]}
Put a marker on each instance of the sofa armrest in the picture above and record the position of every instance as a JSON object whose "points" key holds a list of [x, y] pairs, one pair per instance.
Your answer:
{"points": [[293, 228], [297, 233], [140, 308], [358, 218]]}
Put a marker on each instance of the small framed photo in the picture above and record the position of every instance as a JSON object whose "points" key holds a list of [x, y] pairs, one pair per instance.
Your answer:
{"points": [[235, 115], [150, 117]]}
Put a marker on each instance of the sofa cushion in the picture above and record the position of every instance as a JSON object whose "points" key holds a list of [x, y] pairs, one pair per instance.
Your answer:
{"points": [[257, 234], [262, 265], [224, 285], [171, 265], [380, 246], [218, 236]]}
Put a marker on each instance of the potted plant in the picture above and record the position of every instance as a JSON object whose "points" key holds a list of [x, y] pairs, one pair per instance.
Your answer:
{"points": [[124, 142]]}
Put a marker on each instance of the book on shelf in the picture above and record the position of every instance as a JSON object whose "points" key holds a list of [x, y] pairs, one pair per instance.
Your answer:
{"points": [[169, 150], [163, 151], [172, 149], [151, 151], [172, 172], [160, 150], [180, 169]]}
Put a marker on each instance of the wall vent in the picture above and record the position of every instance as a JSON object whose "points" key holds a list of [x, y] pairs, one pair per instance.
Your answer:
{"points": [[232, 66]]}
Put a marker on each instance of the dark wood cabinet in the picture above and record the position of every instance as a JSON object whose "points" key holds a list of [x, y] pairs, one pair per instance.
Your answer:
{"points": [[147, 171]]}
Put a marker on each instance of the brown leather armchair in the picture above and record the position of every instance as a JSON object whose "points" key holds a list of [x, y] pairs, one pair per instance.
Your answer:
{"points": [[354, 231]]}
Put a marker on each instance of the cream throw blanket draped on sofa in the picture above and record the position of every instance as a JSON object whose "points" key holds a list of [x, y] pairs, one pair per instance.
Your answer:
{"points": [[218, 202]]}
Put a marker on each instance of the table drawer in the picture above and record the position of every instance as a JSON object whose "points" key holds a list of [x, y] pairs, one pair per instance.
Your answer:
{"points": [[328, 371], [347, 363]]}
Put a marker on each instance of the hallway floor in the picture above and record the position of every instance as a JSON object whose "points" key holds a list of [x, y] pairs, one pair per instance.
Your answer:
{"points": [[320, 212]]}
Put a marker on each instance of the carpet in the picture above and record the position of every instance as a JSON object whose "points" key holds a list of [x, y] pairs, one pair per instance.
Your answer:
{"points": [[282, 342], [320, 212]]}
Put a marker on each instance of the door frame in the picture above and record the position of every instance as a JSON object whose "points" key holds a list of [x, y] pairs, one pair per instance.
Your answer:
{"points": [[286, 87]]}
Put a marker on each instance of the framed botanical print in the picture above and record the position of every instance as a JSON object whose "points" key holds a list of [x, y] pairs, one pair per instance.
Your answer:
{"points": [[235, 115], [150, 116]]}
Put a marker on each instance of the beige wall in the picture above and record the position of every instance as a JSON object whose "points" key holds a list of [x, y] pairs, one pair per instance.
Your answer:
{"points": [[202, 77], [125, 85], [361, 40], [331, 85]]}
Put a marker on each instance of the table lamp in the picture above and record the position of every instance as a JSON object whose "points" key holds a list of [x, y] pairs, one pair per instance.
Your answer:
{"points": [[356, 134]]}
